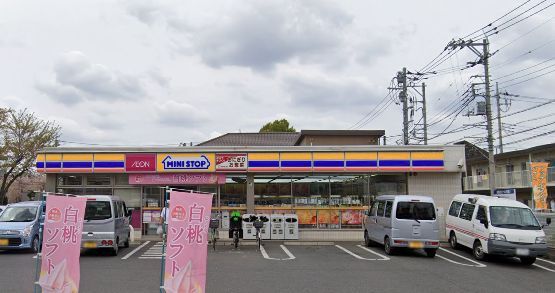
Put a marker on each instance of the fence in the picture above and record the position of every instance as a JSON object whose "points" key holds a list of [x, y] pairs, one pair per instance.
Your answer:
{"points": [[549, 230], [505, 180]]}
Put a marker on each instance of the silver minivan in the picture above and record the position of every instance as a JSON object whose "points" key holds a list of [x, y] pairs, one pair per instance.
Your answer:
{"points": [[106, 223], [402, 221]]}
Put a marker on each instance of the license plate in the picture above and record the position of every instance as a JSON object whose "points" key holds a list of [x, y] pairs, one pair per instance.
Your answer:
{"points": [[415, 244], [89, 245], [3, 242], [522, 251]]}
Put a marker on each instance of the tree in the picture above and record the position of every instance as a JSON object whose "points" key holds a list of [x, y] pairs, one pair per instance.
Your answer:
{"points": [[22, 135], [277, 126]]}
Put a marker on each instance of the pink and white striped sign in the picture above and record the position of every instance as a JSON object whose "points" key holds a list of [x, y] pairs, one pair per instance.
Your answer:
{"points": [[61, 246], [187, 242]]}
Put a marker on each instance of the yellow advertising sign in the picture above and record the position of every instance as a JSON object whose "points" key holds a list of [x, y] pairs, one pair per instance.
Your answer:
{"points": [[185, 162], [539, 184]]}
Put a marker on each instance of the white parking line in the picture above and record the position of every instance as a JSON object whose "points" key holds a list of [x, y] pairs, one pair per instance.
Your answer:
{"points": [[478, 265], [265, 254], [544, 260], [291, 256], [371, 251], [135, 250], [358, 256], [542, 267]]}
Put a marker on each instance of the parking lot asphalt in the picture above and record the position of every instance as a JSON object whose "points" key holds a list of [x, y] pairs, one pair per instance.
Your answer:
{"points": [[337, 267]]}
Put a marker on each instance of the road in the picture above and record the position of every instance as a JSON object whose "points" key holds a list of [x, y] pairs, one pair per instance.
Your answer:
{"points": [[339, 267]]}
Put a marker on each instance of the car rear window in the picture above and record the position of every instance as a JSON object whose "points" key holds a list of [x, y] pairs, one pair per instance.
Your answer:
{"points": [[410, 210], [98, 210]]}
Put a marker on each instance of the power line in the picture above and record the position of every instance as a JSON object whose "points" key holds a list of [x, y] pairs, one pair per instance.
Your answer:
{"points": [[524, 69], [491, 31], [491, 23], [523, 54], [527, 74], [534, 77], [523, 35]]}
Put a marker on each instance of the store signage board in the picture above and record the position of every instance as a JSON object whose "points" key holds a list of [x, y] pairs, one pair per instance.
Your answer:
{"points": [[509, 193], [177, 179], [231, 162], [61, 247], [187, 239], [140, 162]]}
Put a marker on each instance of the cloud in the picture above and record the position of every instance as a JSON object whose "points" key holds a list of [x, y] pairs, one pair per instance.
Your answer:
{"points": [[77, 79], [321, 92], [258, 34], [180, 114]]}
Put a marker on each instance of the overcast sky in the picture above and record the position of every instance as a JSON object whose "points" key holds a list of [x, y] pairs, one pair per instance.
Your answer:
{"points": [[163, 72]]}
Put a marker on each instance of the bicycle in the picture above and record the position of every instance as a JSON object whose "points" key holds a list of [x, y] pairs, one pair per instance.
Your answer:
{"points": [[214, 225], [258, 225], [235, 237]]}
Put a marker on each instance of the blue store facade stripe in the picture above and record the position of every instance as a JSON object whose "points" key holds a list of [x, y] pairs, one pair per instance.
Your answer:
{"points": [[261, 164]]}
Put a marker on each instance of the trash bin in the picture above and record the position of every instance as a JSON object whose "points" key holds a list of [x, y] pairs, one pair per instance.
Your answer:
{"points": [[265, 232], [276, 224], [291, 227], [225, 220], [248, 228]]}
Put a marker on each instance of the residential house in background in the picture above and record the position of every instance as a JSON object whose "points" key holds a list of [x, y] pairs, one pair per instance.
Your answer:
{"points": [[511, 171]]}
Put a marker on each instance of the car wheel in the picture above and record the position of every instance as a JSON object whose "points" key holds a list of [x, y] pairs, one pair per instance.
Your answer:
{"points": [[453, 240], [126, 243], [430, 252], [387, 246], [478, 250], [115, 249], [35, 245], [367, 241], [527, 261]]}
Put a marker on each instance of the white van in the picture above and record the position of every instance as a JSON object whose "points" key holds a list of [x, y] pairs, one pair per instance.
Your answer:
{"points": [[402, 221], [497, 226], [106, 223]]}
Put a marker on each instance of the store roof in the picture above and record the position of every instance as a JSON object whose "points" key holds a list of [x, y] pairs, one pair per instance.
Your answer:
{"points": [[281, 138], [254, 139]]}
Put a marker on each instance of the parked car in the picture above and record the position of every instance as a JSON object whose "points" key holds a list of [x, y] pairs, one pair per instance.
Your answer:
{"points": [[106, 223], [497, 226], [402, 221], [19, 226]]}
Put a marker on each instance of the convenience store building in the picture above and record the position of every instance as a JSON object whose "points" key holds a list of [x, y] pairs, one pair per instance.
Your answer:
{"points": [[326, 177]]}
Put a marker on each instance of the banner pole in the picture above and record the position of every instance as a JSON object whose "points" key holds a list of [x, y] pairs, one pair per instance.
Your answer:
{"points": [[164, 233], [39, 252]]}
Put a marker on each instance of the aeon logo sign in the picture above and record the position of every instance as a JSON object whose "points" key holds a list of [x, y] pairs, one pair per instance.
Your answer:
{"points": [[140, 162]]}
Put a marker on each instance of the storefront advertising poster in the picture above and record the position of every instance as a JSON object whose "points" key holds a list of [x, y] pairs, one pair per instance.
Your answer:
{"points": [[61, 245], [306, 217], [231, 162], [351, 217], [187, 242], [539, 184]]}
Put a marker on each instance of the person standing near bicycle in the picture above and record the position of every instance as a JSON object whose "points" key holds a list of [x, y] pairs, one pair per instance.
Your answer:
{"points": [[235, 227]]}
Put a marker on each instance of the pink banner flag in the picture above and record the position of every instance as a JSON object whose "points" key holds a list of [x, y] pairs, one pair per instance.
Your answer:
{"points": [[61, 244], [187, 242]]}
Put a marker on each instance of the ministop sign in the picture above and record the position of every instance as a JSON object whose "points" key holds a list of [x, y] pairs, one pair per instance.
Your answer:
{"points": [[185, 163]]}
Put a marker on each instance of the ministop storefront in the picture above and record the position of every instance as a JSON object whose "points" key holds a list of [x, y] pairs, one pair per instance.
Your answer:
{"points": [[328, 187]]}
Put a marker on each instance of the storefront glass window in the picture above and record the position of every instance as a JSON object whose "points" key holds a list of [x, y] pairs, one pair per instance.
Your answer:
{"points": [[97, 179], [70, 180], [98, 191], [122, 179], [234, 192], [75, 191]]}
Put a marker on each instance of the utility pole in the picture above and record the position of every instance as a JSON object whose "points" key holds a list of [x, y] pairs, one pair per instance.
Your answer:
{"points": [[499, 125], [404, 98], [484, 59], [424, 113]]}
